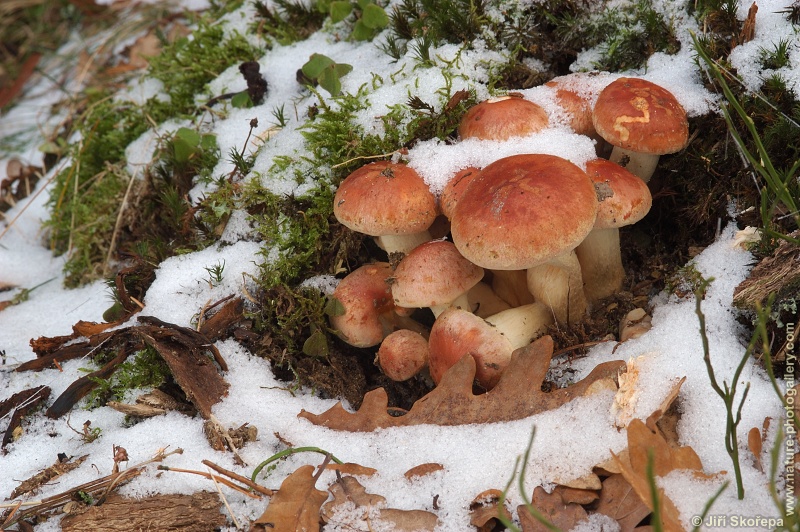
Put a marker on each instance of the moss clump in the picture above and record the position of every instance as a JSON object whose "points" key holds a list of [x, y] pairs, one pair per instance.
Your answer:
{"points": [[145, 369], [288, 21], [87, 195]]}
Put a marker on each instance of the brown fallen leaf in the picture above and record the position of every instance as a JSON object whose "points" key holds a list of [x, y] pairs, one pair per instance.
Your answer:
{"points": [[355, 470], [552, 507], [422, 470], [575, 495], [485, 510], [296, 506], [516, 396], [372, 512], [754, 443], [619, 501], [644, 441]]}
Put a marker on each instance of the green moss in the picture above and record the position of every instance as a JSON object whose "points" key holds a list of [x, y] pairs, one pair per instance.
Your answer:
{"points": [[144, 369], [288, 21], [187, 65]]}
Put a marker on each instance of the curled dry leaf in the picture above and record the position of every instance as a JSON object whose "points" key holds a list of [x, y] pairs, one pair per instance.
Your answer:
{"points": [[352, 469], [485, 510], [754, 444], [619, 501], [371, 511], [422, 470], [516, 396], [552, 507], [643, 441], [296, 505]]}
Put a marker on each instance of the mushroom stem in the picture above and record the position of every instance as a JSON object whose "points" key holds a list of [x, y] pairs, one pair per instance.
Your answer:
{"points": [[512, 287], [402, 243], [462, 301], [521, 325], [601, 263], [558, 284], [484, 302], [637, 163]]}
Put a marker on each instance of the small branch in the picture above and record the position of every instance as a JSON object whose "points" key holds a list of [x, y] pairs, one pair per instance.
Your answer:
{"points": [[244, 480]]}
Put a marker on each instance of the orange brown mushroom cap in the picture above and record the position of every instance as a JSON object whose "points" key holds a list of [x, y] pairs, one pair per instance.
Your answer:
{"points": [[642, 120], [529, 212], [389, 201], [502, 118], [434, 275]]}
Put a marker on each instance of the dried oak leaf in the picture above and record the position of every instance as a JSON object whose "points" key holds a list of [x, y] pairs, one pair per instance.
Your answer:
{"points": [[485, 510], [296, 505], [563, 515], [516, 396], [370, 511], [619, 502], [644, 441]]}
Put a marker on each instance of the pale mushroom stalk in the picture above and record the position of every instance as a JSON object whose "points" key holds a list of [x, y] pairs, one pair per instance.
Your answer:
{"points": [[521, 325], [402, 243], [601, 263], [558, 284], [484, 302], [639, 164], [512, 287]]}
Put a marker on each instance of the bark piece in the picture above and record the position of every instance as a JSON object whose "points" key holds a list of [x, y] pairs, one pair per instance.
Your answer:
{"points": [[190, 367], [778, 273], [20, 404], [199, 512], [516, 396], [42, 477]]}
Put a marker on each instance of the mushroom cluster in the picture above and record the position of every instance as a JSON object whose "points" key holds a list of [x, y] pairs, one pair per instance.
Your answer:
{"points": [[533, 238]]}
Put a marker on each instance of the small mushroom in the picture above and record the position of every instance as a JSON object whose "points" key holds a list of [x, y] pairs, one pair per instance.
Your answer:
{"points": [[389, 201], [623, 199], [434, 275], [368, 315], [402, 354], [643, 121]]}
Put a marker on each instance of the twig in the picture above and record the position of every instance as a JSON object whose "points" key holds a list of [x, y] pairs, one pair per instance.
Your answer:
{"points": [[244, 480], [225, 501], [31, 200], [209, 476], [118, 223], [348, 161], [579, 346]]}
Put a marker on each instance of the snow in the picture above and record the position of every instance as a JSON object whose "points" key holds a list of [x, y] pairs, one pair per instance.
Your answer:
{"points": [[568, 441]]}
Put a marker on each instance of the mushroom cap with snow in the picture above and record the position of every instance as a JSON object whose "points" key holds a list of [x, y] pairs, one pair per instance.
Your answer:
{"points": [[502, 118]]}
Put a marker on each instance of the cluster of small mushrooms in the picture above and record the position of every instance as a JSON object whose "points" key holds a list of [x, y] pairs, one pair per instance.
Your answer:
{"points": [[535, 238]]}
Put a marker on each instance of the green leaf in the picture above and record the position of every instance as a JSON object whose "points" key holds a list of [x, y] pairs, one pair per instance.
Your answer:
{"points": [[323, 6], [315, 65], [334, 307], [242, 101], [342, 69], [361, 32], [189, 136], [329, 80], [208, 141], [364, 3], [340, 10], [316, 345], [374, 17]]}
